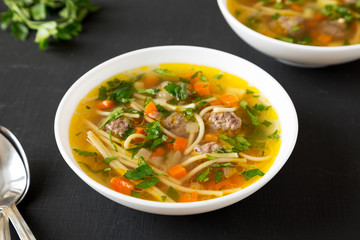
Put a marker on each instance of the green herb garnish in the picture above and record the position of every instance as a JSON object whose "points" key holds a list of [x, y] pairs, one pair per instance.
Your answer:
{"points": [[222, 165], [84, 153], [135, 194], [164, 72], [210, 157], [60, 20], [173, 193], [115, 114], [148, 183], [252, 173], [109, 159], [177, 91], [218, 176], [151, 91], [239, 143], [274, 135], [218, 76], [203, 175]]}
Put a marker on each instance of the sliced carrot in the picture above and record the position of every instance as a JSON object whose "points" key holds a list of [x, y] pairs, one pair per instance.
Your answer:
{"points": [[140, 130], [223, 185], [324, 39], [158, 152], [319, 16], [151, 110], [122, 185], [180, 144], [189, 197], [296, 7], [216, 103], [236, 179], [150, 81], [230, 100], [211, 137], [202, 89], [105, 105], [177, 171]]}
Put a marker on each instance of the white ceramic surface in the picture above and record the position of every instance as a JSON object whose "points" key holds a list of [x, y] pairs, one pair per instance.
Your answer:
{"points": [[289, 53], [178, 54]]}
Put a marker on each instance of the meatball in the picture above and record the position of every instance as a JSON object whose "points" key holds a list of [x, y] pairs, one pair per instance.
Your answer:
{"points": [[118, 126], [224, 121], [207, 148], [294, 26], [176, 124], [334, 28]]}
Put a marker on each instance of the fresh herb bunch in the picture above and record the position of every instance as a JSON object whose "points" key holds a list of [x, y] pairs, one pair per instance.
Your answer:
{"points": [[59, 19]]}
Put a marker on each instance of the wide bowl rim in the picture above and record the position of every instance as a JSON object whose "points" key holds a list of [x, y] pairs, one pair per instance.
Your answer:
{"points": [[224, 9], [192, 208]]}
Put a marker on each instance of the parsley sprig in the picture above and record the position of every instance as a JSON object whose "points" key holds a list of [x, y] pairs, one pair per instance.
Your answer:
{"points": [[24, 16]]}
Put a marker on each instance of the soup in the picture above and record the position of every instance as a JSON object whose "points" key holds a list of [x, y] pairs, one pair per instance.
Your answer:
{"points": [[308, 22], [175, 133]]}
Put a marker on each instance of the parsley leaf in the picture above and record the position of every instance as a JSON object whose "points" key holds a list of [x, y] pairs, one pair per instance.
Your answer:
{"points": [[111, 141], [218, 76], [177, 91], [173, 194], [274, 135], [144, 170], [266, 123], [164, 72], [253, 118], [122, 92], [148, 183], [218, 176], [117, 113], [248, 91], [135, 194], [189, 114], [151, 91], [109, 159], [128, 133], [203, 175], [163, 198], [184, 80], [239, 143], [222, 165], [84, 153], [252, 173], [210, 157]]}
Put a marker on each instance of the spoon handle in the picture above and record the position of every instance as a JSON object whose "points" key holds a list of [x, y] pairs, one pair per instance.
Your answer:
{"points": [[19, 223], [4, 227]]}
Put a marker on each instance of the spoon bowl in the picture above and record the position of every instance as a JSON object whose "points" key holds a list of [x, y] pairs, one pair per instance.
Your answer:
{"points": [[14, 181]]}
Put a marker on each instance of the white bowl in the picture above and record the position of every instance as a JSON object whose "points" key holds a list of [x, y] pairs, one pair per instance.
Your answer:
{"points": [[290, 53], [178, 54]]}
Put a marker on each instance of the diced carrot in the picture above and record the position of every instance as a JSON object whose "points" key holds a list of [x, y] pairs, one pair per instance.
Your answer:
{"points": [[150, 81], [223, 185], [180, 144], [202, 89], [296, 7], [177, 171], [140, 130], [236, 179], [151, 110], [216, 103], [324, 39], [211, 137], [189, 197], [169, 145], [105, 105], [122, 185], [230, 100], [319, 16], [158, 152]]}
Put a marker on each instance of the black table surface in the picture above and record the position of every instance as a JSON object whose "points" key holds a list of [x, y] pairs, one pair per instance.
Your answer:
{"points": [[316, 195]]}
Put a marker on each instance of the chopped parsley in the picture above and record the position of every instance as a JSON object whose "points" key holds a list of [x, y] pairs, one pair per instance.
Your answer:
{"points": [[135, 194], [210, 157], [111, 141], [274, 135], [203, 176], [163, 198], [87, 107], [173, 194], [164, 72], [151, 91], [218, 76], [148, 183], [239, 143], [219, 86], [109, 159], [252, 173], [218, 176], [266, 123], [222, 165], [77, 134], [189, 114], [128, 133], [84, 153], [177, 91], [117, 113]]}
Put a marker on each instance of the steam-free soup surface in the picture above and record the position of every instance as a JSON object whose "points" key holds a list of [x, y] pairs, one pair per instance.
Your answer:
{"points": [[175, 133], [308, 22]]}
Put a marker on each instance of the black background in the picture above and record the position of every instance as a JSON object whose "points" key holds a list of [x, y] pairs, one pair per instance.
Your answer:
{"points": [[315, 196]]}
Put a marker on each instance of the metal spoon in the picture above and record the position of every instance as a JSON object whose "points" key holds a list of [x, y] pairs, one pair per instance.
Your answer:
{"points": [[4, 221], [13, 182]]}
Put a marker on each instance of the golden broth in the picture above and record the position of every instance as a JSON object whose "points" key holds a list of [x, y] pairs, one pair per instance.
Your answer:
{"points": [[307, 22], [103, 173]]}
